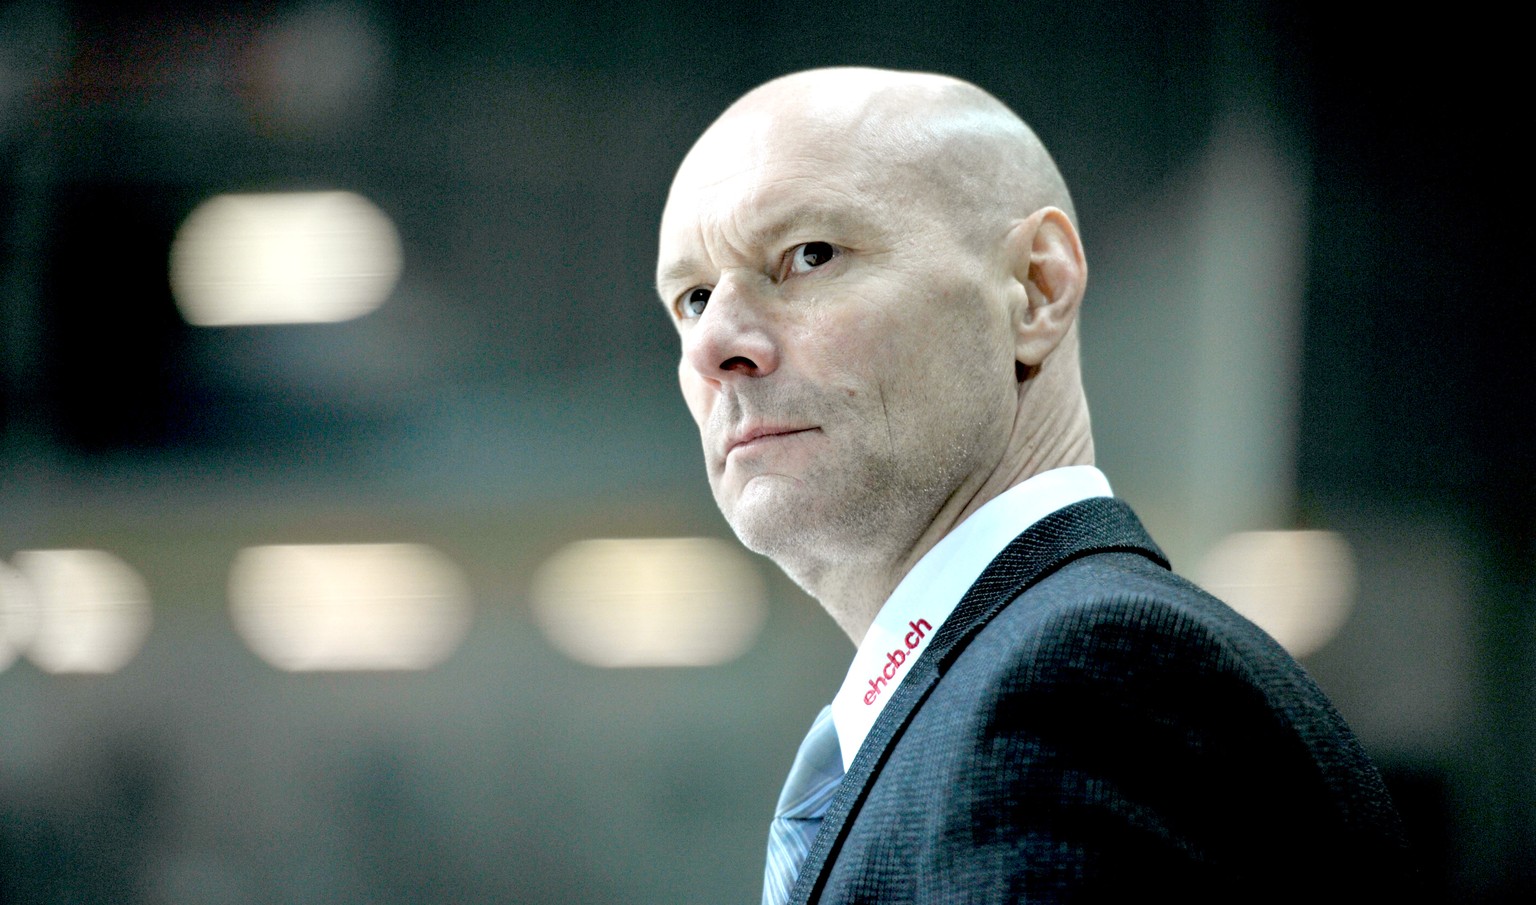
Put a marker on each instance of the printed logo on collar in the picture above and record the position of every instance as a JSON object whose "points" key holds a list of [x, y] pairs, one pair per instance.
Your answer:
{"points": [[895, 659]]}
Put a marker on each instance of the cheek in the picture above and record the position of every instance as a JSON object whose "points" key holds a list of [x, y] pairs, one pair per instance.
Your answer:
{"points": [[696, 394], [847, 348], [954, 356]]}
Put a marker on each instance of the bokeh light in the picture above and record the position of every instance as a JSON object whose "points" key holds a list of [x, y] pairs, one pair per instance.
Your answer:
{"points": [[650, 602], [290, 257], [334, 607], [90, 610], [1296, 585]]}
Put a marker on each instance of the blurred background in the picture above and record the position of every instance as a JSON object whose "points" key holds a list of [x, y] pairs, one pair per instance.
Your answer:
{"points": [[356, 545]]}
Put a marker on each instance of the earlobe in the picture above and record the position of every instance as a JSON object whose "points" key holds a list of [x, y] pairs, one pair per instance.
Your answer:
{"points": [[1050, 275]]}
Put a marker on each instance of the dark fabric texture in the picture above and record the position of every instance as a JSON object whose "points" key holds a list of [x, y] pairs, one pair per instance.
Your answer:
{"points": [[1089, 727]]}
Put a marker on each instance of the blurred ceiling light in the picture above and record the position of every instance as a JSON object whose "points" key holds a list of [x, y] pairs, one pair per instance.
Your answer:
{"points": [[18, 615], [335, 607], [90, 610], [650, 602], [291, 257], [1296, 585]]}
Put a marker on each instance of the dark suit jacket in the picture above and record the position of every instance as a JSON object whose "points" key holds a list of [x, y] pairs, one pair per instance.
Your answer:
{"points": [[1088, 726]]}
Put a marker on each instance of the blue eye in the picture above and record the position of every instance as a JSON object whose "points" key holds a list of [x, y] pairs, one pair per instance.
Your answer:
{"points": [[810, 256], [693, 302]]}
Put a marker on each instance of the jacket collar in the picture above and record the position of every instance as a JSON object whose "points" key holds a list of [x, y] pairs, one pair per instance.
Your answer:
{"points": [[934, 586], [1098, 525]]}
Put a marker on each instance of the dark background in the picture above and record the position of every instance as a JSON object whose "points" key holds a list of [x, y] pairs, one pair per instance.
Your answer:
{"points": [[517, 391]]}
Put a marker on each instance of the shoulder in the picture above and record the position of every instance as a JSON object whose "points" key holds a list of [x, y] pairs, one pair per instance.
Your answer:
{"points": [[1121, 618], [1115, 720], [1121, 649]]}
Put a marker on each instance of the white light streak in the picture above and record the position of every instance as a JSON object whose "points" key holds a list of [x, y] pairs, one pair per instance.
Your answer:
{"points": [[1297, 585], [337, 607], [650, 602], [298, 257], [90, 611]]}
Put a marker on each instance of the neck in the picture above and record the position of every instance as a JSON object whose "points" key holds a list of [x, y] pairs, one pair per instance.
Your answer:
{"points": [[1046, 434]]}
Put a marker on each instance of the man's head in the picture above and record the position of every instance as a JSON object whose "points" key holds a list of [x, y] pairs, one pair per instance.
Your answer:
{"points": [[875, 276]]}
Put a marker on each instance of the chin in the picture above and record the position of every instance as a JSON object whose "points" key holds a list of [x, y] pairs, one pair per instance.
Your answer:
{"points": [[764, 526], [773, 520]]}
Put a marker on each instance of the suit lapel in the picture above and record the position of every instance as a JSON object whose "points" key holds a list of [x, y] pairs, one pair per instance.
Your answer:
{"points": [[1096, 525]]}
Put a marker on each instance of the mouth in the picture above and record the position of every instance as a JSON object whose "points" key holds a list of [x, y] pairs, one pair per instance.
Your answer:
{"points": [[762, 434]]}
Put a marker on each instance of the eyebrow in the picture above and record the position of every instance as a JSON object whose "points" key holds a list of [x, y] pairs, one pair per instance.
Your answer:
{"points": [[676, 272], [838, 222]]}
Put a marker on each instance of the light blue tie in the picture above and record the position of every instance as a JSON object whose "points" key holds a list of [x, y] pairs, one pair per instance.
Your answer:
{"points": [[813, 780]]}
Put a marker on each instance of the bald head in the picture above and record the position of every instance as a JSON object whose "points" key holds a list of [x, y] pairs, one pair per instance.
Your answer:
{"points": [[927, 138], [875, 276]]}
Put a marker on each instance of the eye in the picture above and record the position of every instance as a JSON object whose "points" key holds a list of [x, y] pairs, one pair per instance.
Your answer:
{"points": [[693, 302], [810, 255]]}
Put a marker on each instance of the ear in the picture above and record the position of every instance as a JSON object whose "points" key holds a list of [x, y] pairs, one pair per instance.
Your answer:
{"points": [[1049, 277]]}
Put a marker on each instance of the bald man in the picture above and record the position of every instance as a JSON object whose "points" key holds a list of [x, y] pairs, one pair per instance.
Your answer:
{"points": [[876, 278]]}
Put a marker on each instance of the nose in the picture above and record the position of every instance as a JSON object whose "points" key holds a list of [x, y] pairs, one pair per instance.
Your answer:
{"points": [[733, 339]]}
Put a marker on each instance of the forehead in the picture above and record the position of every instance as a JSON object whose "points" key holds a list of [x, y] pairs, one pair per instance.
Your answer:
{"points": [[754, 176]]}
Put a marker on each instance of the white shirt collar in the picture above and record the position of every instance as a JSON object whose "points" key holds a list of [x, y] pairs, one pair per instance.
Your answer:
{"points": [[931, 589]]}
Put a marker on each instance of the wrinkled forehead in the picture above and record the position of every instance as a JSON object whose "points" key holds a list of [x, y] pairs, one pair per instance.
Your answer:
{"points": [[754, 160]]}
